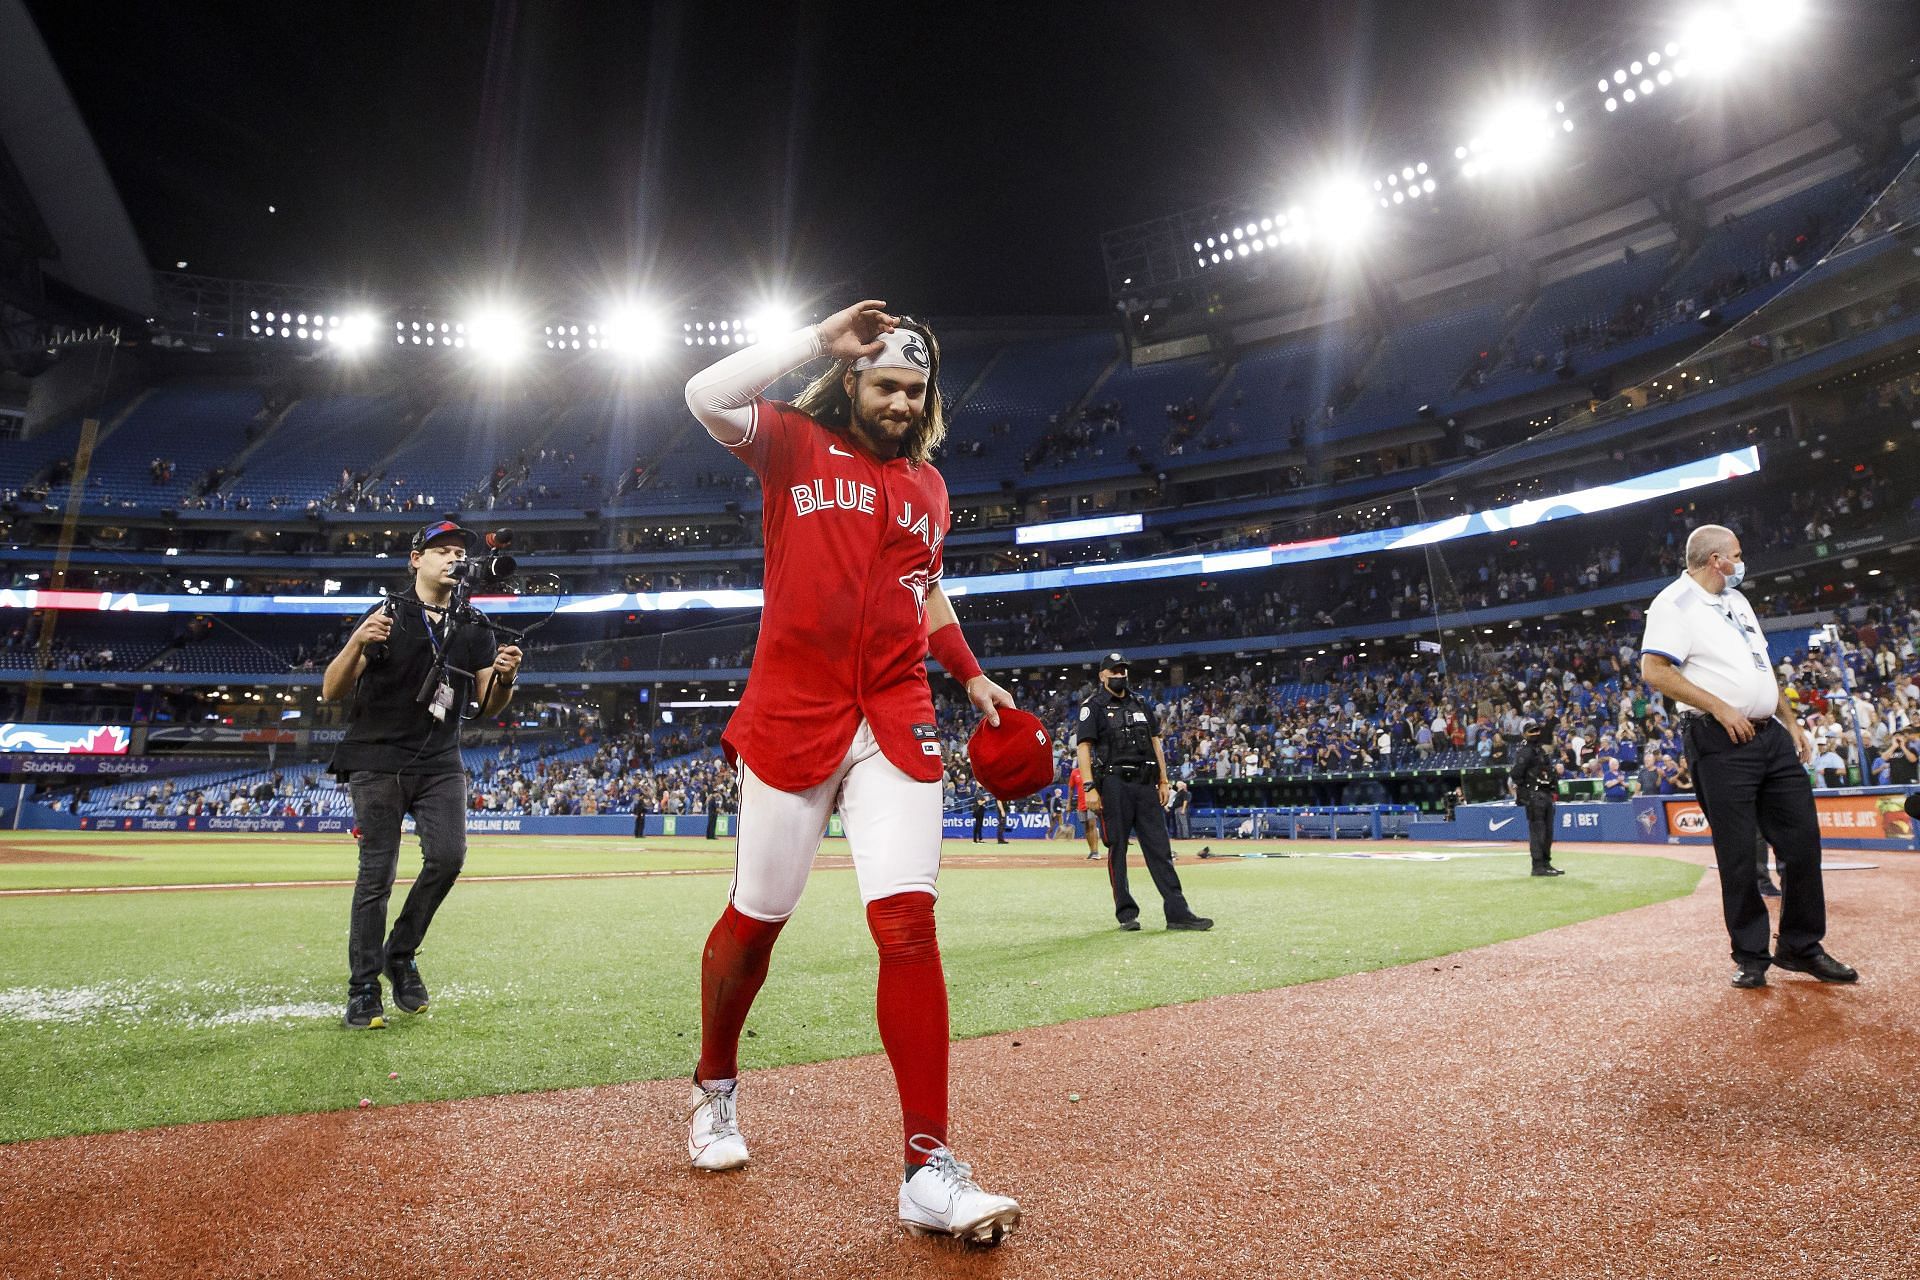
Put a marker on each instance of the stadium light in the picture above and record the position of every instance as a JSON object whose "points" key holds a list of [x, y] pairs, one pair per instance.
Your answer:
{"points": [[632, 332], [354, 332], [774, 319], [1515, 137], [496, 335], [1342, 212]]}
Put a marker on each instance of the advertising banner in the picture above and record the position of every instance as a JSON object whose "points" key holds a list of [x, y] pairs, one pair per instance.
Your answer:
{"points": [[66, 739], [958, 825], [35, 766], [222, 734], [1872, 817]]}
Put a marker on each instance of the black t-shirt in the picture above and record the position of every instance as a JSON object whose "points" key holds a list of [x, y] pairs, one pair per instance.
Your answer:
{"points": [[389, 730], [1900, 770]]}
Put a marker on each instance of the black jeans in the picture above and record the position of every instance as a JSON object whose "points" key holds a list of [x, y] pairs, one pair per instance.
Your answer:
{"points": [[438, 803], [1128, 809], [1760, 789]]}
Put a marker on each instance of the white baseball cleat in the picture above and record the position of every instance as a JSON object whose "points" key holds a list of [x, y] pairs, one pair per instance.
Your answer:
{"points": [[942, 1199], [713, 1134]]}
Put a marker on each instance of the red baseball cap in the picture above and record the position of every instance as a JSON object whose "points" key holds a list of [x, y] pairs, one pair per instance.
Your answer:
{"points": [[1014, 760]]}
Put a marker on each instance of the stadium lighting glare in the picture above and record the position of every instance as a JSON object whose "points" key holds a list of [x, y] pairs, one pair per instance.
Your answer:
{"points": [[497, 336], [354, 332], [1715, 41], [633, 333], [1516, 137], [773, 320], [1342, 212]]}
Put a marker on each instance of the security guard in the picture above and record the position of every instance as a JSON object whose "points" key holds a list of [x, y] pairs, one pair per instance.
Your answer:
{"points": [[1535, 775], [1704, 650], [1124, 771]]}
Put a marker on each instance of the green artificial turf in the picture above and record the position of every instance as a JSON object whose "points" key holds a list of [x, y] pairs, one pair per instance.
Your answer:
{"points": [[128, 1010]]}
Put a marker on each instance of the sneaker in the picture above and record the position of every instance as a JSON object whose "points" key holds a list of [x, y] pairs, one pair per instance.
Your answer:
{"points": [[1818, 963], [1548, 871], [409, 992], [364, 1012], [1192, 924], [1768, 889], [1130, 926], [713, 1134], [942, 1199], [1092, 856]]}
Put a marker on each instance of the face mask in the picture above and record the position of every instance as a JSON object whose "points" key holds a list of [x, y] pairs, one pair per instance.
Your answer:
{"points": [[1739, 574], [1116, 685]]}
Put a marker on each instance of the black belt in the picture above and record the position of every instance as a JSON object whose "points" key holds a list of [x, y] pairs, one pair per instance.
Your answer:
{"points": [[1689, 718], [1135, 772]]}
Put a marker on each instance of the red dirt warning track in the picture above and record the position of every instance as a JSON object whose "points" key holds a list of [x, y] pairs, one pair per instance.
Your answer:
{"points": [[1594, 1101]]}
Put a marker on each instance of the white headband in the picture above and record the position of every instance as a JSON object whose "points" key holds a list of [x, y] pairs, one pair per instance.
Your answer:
{"points": [[901, 349]]}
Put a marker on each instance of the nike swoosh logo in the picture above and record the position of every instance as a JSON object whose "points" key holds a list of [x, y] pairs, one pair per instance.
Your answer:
{"points": [[837, 450], [1495, 826]]}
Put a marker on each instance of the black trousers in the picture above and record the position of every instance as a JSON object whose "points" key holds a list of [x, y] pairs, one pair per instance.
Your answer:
{"points": [[1755, 790], [1128, 809], [438, 803], [1539, 806]]}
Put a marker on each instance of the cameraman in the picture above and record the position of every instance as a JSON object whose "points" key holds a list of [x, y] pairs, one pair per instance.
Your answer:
{"points": [[401, 755]]}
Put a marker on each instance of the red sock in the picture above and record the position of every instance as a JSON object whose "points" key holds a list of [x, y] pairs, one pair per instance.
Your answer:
{"points": [[731, 971], [912, 1011]]}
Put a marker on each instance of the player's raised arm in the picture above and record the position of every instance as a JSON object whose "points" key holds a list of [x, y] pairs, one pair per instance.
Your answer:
{"points": [[722, 396]]}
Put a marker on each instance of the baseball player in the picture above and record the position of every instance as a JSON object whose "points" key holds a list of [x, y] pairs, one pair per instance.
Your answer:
{"points": [[837, 712]]}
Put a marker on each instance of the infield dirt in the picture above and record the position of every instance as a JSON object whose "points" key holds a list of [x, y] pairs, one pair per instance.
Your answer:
{"points": [[1590, 1101]]}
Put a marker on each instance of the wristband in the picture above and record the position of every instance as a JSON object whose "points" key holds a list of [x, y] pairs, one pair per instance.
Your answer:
{"points": [[949, 649]]}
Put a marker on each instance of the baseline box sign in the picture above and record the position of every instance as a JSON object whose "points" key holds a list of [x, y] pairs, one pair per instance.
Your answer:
{"points": [[1862, 817], [67, 739]]}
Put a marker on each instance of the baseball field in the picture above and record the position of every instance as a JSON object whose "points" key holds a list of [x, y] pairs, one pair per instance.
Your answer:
{"points": [[566, 962], [1385, 1061]]}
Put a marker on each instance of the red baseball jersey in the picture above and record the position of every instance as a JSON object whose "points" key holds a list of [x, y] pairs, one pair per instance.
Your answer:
{"points": [[853, 545]]}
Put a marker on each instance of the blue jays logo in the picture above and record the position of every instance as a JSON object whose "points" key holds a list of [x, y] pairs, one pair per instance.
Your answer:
{"points": [[915, 350], [918, 582], [1646, 821]]}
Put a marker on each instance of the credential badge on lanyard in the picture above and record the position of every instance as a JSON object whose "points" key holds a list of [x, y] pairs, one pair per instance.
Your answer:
{"points": [[442, 701], [1759, 663]]}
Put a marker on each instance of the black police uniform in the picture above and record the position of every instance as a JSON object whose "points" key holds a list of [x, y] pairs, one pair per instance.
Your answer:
{"points": [[1535, 784], [1120, 732]]}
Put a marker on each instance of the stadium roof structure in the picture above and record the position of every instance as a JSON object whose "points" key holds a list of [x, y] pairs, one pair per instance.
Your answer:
{"points": [[69, 257]]}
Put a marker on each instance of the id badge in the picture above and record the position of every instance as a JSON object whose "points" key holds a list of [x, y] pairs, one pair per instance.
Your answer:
{"points": [[442, 701]]}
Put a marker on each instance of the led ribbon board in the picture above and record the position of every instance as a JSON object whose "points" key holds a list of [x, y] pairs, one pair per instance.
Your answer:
{"points": [[1070, 530], [66, 739], [1520, 515]]}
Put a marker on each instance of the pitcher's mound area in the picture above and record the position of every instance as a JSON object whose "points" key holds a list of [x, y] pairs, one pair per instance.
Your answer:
{"points": [[1594, 1101]]}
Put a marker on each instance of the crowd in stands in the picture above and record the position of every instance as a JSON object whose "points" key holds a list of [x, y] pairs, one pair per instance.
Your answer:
{"points": [[1290, 717], [1465, 710]]}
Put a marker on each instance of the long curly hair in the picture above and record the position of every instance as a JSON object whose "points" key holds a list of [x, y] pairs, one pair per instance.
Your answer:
{"points": [[825, 400]]}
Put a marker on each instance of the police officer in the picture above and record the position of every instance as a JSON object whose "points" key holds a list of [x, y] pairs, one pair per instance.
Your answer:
{"points": [[1124, 771], [1535, 774]]}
